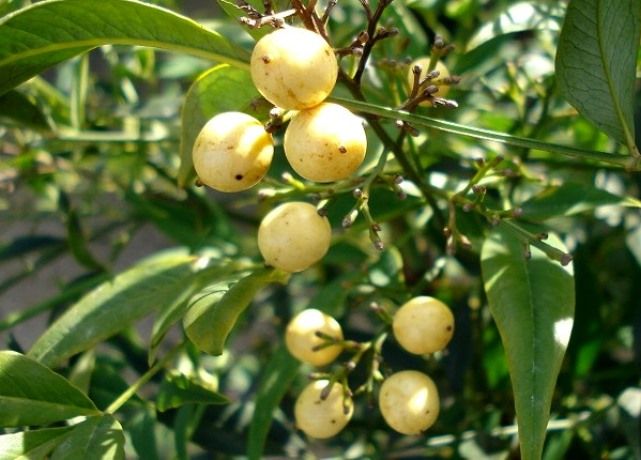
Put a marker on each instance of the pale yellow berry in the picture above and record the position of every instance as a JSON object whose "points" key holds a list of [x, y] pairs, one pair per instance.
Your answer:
{"points": [[294, 68], [424, 62], [325, 143], [322, 418], [423, 325], [301, 338], [293, 236], [232, 152], [408, 401]]}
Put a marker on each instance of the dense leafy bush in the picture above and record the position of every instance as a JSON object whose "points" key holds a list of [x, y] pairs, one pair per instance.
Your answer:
{"points": [[495, 193]]}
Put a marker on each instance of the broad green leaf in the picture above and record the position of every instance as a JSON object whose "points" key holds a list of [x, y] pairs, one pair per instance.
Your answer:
{"points": [[221, 89], [277, 377], [31, 445], [532, 302], [49, 32], [571, 198], [210, 319], [97, 437], [179, 389], [519, 17], [32, 394], [596, 63], [167, 317], [23, 110], [116, 304], [141, 429], [8, 6]]}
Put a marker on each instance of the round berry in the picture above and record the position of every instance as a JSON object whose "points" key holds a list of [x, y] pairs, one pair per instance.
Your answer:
{"points": [[294, 68], [322, 418], [293, 236], [301, 338], [408, 401], [232, 152], [325, 143], [424, 62], [423, 325]]}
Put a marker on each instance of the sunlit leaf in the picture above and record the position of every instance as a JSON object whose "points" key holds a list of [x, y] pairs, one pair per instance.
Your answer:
{"points": [[97, 437], [46, 33], [116, 304], [532, 302], [596, 63], [32, 394]]}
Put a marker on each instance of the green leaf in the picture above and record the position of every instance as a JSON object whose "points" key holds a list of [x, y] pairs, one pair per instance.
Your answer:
{"points": [[221, 89], [569, 199], [532, 302], [519, 17], [32, 394], [23, 110], [8, 6], [277, 377], [40, 36], [167, 317], [31, 445], [596, 63], [97, 437], [116, 304], [179, 389], [211, 318], [141, 429]]}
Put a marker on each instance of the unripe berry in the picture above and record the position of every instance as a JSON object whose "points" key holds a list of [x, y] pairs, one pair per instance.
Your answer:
{"points": [[322, 418], [301, 338], [325, 143], [424, 62], [232, 152], [423, 325], [408, 401], [293, 236], [294, 68]]}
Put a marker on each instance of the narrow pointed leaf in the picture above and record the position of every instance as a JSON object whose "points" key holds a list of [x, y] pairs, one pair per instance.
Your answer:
{"points": [[278, 375], [211, 318], [173, 313], [97, 437], [40, 36], [596, 63], [32, 394], [178, 389], [532, 302], [116, 304], [572, 198], [221, 89], [31, 445]]}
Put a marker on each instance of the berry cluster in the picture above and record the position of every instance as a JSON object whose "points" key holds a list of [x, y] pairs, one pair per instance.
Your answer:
{"points": [[408, 400], [295, 69]]}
